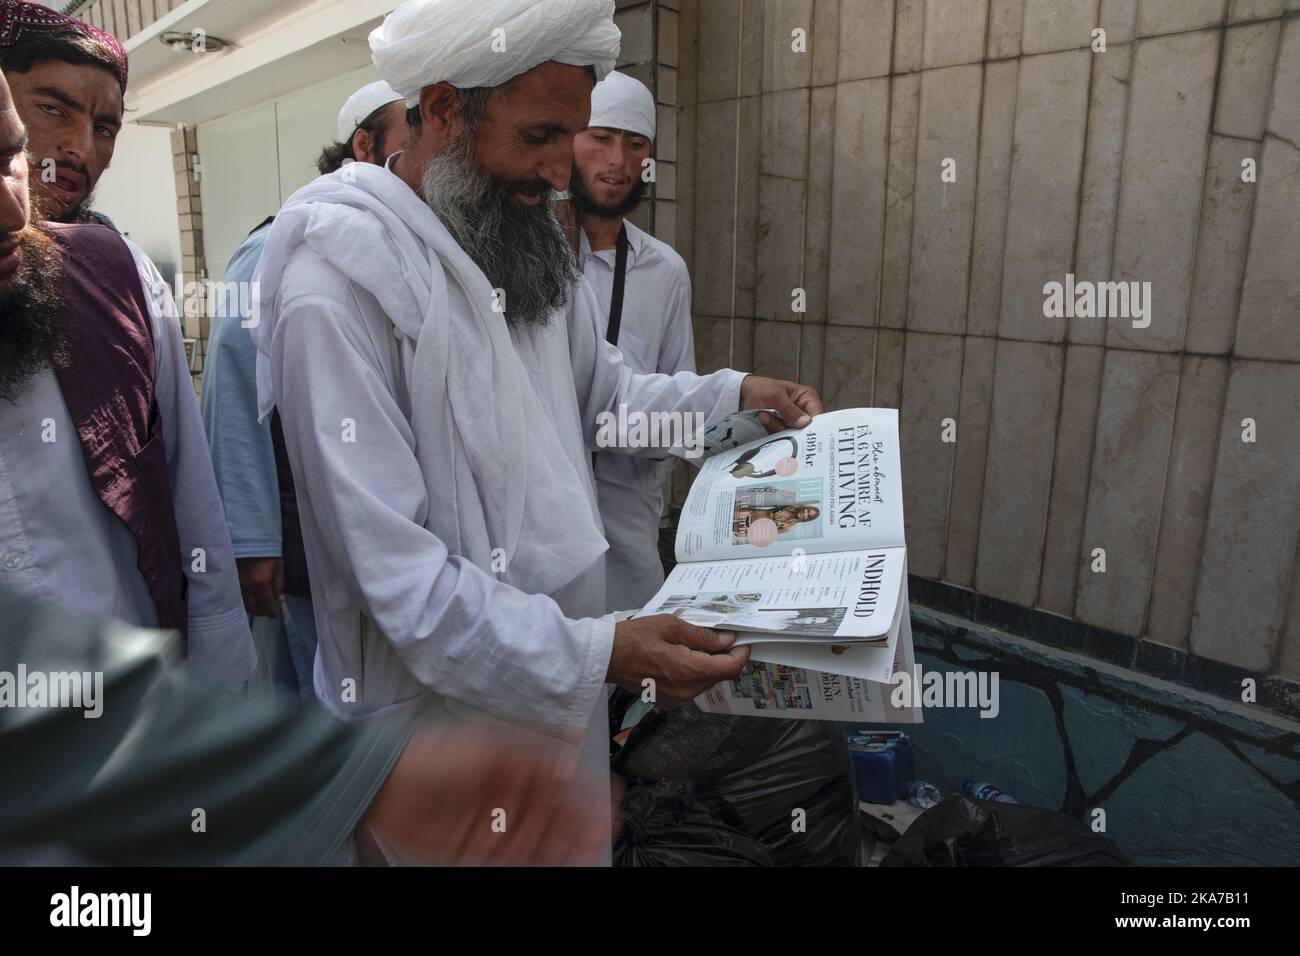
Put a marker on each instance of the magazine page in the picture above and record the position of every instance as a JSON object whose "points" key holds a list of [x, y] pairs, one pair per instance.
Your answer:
{"points": [[778, 690], [843, 597], [833, 486], [869, 662]]}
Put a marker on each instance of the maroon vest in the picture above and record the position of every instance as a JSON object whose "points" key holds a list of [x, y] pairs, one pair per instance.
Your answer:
{"points": [[108, 386]]}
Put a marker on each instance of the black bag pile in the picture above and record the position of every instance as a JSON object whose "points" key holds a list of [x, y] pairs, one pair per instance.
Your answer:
{"points": [[710, 790], [965, 832]]}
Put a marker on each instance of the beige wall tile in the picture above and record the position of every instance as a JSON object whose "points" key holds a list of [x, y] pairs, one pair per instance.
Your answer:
{"points": [[1057, 25], [784, 142], [1130, 459], [715, 206], [1222, 239], [954, 32], [688, 53], [1051, 108], [861, 110], [904, 117], [719, 49], [776, 350], [1119, 20], [1246, 79], [637, 26], [993, 193], [666, 48], [1160, 187], [1239, 10], [817, 227], [866, 38], [1284, 114], [1176, 16], [712, 342], [931, 386], [969, 459], [1103, 154], [909, 35], [1005, 20], [825, 42], [1186, 506], [780, 248], [1254, 519], [1071, 471], [1268, 325], [887, 388], [847, 371], [944, 212], [1017, 478], [746, 205], [751, 47], [783, 67], [812, 355]]}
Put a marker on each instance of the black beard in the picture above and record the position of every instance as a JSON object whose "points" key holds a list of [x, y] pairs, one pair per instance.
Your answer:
{"points": [[521, 249], [30, 304], [585, 204]]}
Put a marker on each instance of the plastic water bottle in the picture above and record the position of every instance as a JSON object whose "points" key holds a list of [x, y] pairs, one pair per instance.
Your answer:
{"points": [[986, 791], [923, 795]]}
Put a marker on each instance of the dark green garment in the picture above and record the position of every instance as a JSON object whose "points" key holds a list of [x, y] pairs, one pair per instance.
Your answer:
{"points": [[280, 781]]}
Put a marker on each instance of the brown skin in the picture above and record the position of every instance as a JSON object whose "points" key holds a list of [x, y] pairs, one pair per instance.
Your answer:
{"points": [[395, 135], [526, 139], [13, 185], [73, 114], [610, 161], [437, 805]]}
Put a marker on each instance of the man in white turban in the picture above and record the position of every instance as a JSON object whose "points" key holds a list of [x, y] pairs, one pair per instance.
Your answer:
{"points": [[644, 292], [431, 349]]}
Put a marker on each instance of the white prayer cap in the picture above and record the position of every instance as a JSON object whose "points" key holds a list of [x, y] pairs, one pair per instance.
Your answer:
{"points": [[361, 104], [622, 102], [474, 43]]}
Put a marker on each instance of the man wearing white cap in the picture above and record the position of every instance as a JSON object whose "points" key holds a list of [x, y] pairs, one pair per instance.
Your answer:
{"points": [[644, 291], [444, 477], [371, 128], [248, 456]]}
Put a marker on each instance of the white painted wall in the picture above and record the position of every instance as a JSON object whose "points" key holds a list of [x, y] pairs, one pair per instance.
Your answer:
{"points": [[138, 192]]}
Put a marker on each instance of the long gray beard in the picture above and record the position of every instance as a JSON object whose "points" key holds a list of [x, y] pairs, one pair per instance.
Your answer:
{"points": [[521, 249]]}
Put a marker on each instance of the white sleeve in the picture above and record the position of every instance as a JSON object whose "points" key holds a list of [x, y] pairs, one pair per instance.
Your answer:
{"points": [[220, 645], [677, 351], [458, 629], [604, 382]]}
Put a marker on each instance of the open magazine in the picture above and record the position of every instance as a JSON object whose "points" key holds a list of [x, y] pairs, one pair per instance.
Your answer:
{"points": [[795, 541]]}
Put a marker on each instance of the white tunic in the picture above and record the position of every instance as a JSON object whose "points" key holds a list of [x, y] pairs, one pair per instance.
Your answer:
{"points": [[400, 617], [57, 539], [655, 335]]}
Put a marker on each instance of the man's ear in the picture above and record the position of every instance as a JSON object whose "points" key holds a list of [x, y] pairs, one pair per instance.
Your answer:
{"points": [[438, 107], [361, 143]]}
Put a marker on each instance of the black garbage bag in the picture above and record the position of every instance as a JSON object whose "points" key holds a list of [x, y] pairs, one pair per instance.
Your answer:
{"points": [[965, 832], [664, 825], [752, 774]]}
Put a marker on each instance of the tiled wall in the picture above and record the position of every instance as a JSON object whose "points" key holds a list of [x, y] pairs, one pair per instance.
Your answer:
{"points": [[821, 169], [650, 53]]}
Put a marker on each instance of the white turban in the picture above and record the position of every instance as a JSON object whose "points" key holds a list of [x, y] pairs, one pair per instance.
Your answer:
{"points": [[361, 104], [622, 102], [474, 43]]}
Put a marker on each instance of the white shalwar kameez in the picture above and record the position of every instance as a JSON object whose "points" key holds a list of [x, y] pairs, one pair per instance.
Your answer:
{"points": [[431, 575]]}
